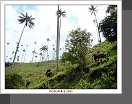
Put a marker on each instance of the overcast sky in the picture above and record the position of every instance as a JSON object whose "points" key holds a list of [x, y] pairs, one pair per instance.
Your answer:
{"points": [[46, 26]]}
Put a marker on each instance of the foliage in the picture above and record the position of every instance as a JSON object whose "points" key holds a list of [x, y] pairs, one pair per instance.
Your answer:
{"points": [[77, 44], [82, 84], [111, 9], [65, 57], [98, 76], [13, 81], [108, 26]]}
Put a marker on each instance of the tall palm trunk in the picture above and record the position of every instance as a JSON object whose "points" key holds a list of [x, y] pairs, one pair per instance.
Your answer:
{"points": [[25, 53], [97, 27], [33, 56], [12, 55], [57, 43], [18, 44]]}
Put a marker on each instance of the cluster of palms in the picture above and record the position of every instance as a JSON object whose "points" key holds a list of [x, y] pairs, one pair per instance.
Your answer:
{"points": [[22, 54], [44, 54], [25, 18]]}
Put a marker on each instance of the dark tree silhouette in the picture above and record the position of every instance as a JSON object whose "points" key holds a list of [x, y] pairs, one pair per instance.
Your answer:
{"points": [[108, 26]]}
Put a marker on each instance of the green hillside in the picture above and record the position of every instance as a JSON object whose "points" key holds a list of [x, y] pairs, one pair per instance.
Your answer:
{"points": [[101, 75]]}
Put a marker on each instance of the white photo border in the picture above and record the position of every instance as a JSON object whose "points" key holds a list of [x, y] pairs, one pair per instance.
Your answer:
{"points": [[64, 91]]}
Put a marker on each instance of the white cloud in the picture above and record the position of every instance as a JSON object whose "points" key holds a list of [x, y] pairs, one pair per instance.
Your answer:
{"points": [[46, 25]]}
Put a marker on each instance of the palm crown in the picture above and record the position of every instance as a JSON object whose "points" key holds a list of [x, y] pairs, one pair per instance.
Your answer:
{"points": [[61, 13], [27, 19], [92, 9], [43, 48]]}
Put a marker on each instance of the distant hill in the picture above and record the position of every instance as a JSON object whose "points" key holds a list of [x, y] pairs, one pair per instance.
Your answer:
{"points": [[97, 75]]}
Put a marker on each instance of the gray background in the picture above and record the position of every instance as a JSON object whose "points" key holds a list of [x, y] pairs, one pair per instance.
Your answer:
{"points": [[124, 98]]}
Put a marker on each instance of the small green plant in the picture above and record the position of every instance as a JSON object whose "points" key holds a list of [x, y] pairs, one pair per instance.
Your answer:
{"points": [[83, 84]]}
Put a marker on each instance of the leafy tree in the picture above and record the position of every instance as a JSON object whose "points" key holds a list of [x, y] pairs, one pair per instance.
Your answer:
{"points": [[111, 9], [65, 57], [108, 26], [28, 22], [77, 44]]}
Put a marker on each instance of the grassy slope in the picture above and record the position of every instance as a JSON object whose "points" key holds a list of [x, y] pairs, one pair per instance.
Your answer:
{"points": [[70, 76]]}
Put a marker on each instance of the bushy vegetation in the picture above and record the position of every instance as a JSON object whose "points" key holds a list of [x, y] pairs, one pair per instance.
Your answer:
{"points": [[108, 26], [77, 44], [13, 81], [70, 76], [76, 69]]}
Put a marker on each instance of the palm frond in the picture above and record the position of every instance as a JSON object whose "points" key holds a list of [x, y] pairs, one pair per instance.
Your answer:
{"points": [[20, 17], [22, 14], [27, 19], [93, 9], [21, 20]]}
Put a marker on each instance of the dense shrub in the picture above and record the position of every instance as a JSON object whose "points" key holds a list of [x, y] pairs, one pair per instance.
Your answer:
{"points": [[108, 26], [7, 64], [13, 81]]}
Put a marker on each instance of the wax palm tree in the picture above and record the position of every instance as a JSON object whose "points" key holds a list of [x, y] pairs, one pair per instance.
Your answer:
{"points": [[47, 48], [44, 49], [40, 56], [35, 45], [59, 14], [28, 22], [12, 54], [33, 52], [25, 52], [93, 10], [35, 58], [53, 53]]}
